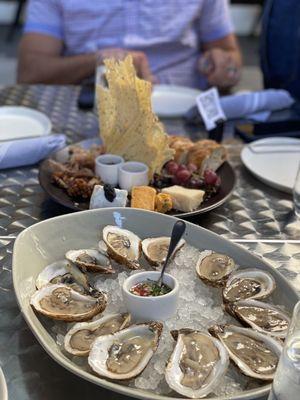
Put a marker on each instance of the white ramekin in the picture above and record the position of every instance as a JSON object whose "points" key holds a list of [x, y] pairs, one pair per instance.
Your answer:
{"points": [[133, 173], [156, 308], [107, 168]]}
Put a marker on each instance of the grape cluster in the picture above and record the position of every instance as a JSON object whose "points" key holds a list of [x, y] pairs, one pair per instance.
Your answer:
{"points": [[188, 176]]}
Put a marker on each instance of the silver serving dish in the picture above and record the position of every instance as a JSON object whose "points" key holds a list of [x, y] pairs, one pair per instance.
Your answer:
{"points": [[48, 241]]}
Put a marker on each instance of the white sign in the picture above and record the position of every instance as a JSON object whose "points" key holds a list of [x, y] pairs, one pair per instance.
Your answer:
{"points": [[210, 109]]}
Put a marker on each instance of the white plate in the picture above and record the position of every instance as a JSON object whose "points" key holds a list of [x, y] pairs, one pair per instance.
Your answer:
{"points": [[3, 387], [276, 169], [172, 100], [22, 122]]}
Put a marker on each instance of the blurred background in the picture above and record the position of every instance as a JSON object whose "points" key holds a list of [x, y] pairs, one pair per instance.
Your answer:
{"points": [[246, 15]]}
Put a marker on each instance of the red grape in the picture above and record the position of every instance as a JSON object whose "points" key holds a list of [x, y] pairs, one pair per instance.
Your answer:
{"points": [[172, 167], [182, 167], [183, 175], [192, 167], [210, 177]]}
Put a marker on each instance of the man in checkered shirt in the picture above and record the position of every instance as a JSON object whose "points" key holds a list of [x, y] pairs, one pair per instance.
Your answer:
{"points": [[183, 42]]}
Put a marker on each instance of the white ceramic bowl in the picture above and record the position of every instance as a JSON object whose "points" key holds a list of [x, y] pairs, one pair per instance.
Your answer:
{"points": [[107, 168], [151, 308], [48, 241], [133, 173]]}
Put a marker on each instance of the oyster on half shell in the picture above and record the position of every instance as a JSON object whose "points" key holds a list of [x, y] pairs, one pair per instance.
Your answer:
{"points": [[90, 260], [248, 284], [62, 272], [63, 303], [255, 354], [102, 248], [197, 363], [155, 249], [123, 246], [214, 268], [81, 336], [260, 316], [125, 354]]}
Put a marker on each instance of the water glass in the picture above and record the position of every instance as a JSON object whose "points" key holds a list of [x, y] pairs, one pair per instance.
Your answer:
{"points": [[286, 383], [296, 193], [99, 80]]}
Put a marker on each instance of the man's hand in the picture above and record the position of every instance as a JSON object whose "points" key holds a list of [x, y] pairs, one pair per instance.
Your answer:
{"points": [[220, 67], [140, 61]]}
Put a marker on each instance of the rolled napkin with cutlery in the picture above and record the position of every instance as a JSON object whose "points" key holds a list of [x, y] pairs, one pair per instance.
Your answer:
{"points": [[17, 153], [248, 104], [254, 105]]}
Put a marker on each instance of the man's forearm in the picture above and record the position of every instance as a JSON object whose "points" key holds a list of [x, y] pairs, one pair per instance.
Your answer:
{"points": [[34, 68]]}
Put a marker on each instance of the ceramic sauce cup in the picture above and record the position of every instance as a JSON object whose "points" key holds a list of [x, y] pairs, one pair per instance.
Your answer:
{"points": [[152, 308], [107, 168], [133, 173]]}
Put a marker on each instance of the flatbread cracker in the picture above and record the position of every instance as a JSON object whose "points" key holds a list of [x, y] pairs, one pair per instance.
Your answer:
{"points": [[128, 125]]}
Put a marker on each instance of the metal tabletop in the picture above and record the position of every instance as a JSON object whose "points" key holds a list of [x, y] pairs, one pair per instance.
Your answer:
{"points": [[260, 218]]}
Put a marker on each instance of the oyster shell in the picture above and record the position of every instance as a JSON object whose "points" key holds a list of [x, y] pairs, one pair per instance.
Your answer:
{"points": [[62, 272], [90, 260], [197, 363], [214, 268], [81, 336], [125, 354], [248, 283], [63, 303], [155, 249], [262, 317], [254, 353], [102, 248], [123, 246]]}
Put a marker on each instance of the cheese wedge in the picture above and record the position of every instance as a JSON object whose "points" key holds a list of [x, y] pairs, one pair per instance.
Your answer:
{"points": [[185, 199]]}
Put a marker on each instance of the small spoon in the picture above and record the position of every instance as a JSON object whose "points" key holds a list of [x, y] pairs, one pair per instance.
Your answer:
{"points": [[177, 233]]}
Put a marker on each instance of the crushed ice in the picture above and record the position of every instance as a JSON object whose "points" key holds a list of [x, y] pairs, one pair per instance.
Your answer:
{"points": [[200, 314]]}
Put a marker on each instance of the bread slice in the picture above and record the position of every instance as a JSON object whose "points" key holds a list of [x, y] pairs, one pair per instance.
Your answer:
{"points": [[181, 145], [143, 197], [214, 160], [184, 199], [207, 154]]}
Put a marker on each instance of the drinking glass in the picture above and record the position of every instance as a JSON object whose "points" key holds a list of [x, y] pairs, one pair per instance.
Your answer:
{"points": [[286, 383], [99, 79], [296, 193]]}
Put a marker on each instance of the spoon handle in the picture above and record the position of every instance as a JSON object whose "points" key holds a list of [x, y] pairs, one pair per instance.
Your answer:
{"points": [[177, 233]]}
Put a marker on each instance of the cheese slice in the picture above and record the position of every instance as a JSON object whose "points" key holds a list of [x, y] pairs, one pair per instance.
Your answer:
{"points": [[98, 199], [184, 199]]}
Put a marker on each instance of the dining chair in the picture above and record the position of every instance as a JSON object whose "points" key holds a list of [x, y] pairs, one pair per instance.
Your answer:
{"points": [[16, 20]]}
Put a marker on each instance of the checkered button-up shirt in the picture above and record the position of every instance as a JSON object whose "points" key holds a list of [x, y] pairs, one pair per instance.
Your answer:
{"points": [[170, 32]]}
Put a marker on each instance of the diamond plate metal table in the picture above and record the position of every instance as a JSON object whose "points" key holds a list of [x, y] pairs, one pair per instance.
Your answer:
{"points": [[261, 218]]}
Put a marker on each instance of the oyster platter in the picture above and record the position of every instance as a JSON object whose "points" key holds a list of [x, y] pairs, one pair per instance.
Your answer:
{"points": [[224, 339], [135, 163]]}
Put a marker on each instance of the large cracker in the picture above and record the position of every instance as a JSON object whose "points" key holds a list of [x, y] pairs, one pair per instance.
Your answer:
{"points": [[128, 125]]}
